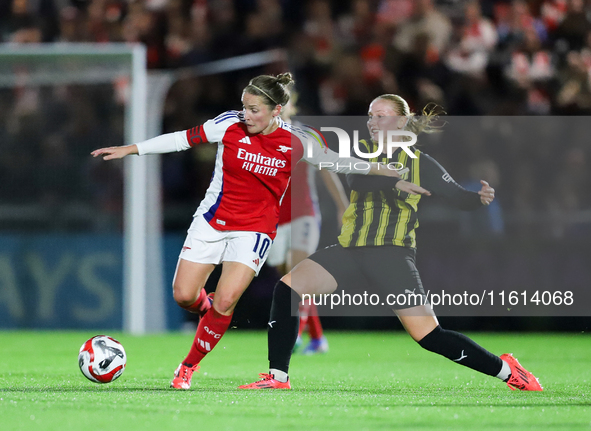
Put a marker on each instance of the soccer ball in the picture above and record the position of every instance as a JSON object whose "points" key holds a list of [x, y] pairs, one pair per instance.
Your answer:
{"points": [[102, 359]]}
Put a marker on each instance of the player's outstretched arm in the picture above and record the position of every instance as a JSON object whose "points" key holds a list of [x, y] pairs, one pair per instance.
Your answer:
{"points": [[167, 143], [110, 153]]}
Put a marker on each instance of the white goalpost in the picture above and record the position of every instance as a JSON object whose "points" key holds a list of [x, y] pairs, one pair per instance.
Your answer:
{"points": [[144, 286], [67, 64]]}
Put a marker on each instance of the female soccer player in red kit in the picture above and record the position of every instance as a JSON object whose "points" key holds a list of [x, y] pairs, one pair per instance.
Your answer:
{"points": [[236, 222]]}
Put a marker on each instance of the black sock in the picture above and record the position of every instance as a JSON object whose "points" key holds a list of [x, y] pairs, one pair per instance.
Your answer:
{"points": [[461, 349], [283, 326]]}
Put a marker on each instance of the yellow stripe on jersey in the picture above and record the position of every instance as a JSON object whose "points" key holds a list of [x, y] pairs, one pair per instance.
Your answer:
{"points": [[383, 225], [403, 213], [368, 210], [387, 217], [413, 200], [349, 219], [368, 204]]}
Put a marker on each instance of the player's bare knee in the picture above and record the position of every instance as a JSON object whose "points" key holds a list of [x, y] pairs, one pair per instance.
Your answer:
{"points": [[224, 303], [224, 307], [183, 297]]}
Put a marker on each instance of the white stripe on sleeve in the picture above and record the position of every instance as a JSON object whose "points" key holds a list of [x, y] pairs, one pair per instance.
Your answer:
{"points": [[167, 143], [216, 129]]}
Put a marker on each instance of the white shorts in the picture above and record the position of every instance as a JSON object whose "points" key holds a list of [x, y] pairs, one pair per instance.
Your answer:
{"points": [[204, 244], [301, 234]]}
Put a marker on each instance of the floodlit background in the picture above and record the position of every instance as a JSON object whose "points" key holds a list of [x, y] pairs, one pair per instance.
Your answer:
{"points": [[61, 212]]}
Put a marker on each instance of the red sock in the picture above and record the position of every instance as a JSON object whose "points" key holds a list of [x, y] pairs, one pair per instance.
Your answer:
{"points": [[201, 305], [314, 325], [212, 327], [304, 308]]}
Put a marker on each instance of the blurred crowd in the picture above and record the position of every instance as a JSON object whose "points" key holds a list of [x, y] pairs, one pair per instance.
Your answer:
{"points": [[474, 58]]}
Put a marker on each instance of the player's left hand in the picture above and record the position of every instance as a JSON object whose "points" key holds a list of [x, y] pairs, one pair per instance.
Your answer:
{"points": [[487, 193], [412, 188]]}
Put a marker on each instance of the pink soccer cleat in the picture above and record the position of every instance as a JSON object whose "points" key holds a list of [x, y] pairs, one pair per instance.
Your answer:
{"points": [[520, 378], [182, 377], [267, 382]]}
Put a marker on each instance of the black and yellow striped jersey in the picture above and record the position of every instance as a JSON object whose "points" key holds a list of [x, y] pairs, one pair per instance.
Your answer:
{"points": [[380, 214]]}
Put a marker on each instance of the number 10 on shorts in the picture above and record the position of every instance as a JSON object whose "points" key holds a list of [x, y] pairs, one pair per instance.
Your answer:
{"points": [[266, 243]]}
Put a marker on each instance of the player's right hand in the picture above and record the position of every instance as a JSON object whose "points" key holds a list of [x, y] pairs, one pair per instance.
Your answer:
{"points": [[111, 153]]}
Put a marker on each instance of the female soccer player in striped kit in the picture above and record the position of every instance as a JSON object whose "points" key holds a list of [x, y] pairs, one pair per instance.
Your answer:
{"points": [[236, 222], [377, 250]]}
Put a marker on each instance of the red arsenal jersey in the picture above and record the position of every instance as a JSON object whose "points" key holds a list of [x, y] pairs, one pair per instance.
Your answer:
{"points": [[251, 173]]}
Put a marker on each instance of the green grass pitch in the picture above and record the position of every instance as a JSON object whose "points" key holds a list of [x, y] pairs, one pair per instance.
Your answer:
{"points": [[368, 381]]}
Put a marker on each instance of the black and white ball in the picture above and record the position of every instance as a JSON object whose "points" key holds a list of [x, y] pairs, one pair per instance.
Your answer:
{"points": [[102, 359]]}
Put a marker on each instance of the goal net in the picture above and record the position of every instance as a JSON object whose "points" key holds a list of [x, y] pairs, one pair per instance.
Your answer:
{"points": [[81, 239], [64, 261]]}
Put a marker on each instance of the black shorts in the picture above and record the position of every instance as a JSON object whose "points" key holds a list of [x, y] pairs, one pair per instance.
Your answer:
{"points": [[382, 270]]}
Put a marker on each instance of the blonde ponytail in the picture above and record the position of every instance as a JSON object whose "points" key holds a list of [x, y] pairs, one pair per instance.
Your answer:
{"points": [[416, 124]]}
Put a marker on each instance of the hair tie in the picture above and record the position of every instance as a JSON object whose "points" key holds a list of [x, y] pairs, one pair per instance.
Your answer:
{"points": [[265, 93]]}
